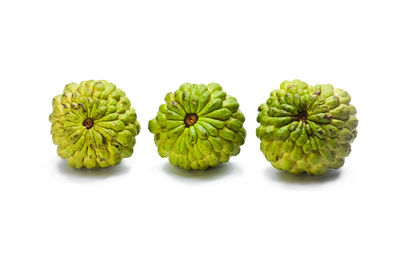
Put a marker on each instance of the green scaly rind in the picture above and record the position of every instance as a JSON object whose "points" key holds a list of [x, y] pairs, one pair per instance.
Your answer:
{"points": [[115, 124], [213, 139], [313, 146]]}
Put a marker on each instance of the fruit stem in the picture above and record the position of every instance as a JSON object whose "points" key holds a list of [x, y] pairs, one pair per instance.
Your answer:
{"points": [[88, 123], [302, 116], [190, 119]]}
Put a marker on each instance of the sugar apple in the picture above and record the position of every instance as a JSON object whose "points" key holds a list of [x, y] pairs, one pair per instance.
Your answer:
{"points": [[93, 124], [198, 127], [306, 128]]}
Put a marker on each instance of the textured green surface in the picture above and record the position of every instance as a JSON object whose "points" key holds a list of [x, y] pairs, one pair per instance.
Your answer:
{"points": [[208, 141], [93, 124], [306, 128]]}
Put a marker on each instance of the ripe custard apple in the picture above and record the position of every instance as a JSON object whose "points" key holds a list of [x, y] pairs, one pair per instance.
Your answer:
{"points": [[198, 127], [306, 128], [93, 124]]}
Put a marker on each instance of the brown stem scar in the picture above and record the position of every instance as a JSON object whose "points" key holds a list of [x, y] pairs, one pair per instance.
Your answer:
{"points": [[302, 117], [190, 119], [88, 123]]}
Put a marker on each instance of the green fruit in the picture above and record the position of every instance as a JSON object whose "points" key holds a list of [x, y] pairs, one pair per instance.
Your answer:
{"points": [[306, 128], [198, 127], [93, 124]]}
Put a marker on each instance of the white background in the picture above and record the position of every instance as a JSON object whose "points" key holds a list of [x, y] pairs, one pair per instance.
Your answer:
{"points": [[145, 212]]}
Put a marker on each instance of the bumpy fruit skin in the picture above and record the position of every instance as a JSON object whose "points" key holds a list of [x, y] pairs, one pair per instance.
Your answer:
{"points": [[306, 128], [198, 127], [93, 124]]}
